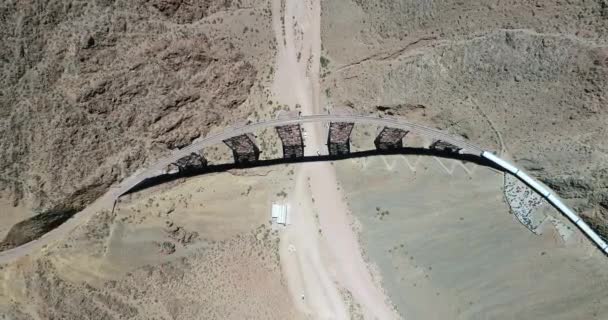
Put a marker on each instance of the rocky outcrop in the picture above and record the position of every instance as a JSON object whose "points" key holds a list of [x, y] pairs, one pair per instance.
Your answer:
{"points": [[182, 11], [193, 161], [34, 227], [95, 90], [591, 194]]}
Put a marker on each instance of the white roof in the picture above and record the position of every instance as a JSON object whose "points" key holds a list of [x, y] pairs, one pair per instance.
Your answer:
{"points": [[276, 209], [280, 213]]}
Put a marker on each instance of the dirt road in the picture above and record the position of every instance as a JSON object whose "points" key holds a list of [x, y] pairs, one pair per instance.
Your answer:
{"points": [[318, 257], [311, 286]]}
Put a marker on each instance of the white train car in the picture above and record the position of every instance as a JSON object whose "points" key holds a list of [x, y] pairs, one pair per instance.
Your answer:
{"points": [[551, 197]]}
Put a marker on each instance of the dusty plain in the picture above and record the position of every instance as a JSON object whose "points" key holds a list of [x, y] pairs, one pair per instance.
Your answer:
{"points": [[446, 246]]}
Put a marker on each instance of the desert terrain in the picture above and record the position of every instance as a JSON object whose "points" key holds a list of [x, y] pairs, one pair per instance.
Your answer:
{"points": [[445, 245], [525, 78], [92, 93], [200, 248]]}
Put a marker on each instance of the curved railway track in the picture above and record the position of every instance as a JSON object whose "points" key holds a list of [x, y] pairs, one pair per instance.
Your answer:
{"points": [[108, 199]]}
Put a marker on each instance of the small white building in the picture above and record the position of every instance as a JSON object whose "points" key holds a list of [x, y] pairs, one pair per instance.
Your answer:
{"points": [[280, 213]]}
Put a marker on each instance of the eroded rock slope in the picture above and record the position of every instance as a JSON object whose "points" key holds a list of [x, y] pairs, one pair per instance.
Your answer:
{"points": [[93, 90]]}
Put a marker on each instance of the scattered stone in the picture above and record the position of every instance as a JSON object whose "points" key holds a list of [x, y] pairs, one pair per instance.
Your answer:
{"points": [[524, 203], [170, 210], [193, 161], [180, 234]]}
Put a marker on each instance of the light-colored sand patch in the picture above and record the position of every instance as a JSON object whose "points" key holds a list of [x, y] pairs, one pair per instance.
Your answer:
{"points": [[303, 259], [10, 214], [338, 232]]}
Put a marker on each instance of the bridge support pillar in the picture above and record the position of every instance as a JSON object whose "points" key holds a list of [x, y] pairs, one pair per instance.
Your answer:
{"points": [[338, 139], [443, 146], [390, 139], [243, 148], [193, 161], [291, 139]]}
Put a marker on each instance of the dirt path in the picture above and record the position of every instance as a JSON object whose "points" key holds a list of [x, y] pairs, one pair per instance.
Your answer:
{"points": [[310, 284], [315, 265]]}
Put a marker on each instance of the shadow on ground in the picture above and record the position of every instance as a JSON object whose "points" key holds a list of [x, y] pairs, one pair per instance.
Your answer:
{"points": [[36, 226], [154, 181]]}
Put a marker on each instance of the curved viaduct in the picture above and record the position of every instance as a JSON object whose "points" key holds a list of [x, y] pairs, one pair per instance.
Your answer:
{"points": [[242, 143]]}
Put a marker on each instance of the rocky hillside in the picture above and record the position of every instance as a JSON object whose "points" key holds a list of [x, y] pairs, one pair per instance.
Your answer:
{"points": [[93, 90], [526, 78]]}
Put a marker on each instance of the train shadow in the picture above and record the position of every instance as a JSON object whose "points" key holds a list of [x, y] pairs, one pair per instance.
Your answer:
{"points": [[164, 178]]}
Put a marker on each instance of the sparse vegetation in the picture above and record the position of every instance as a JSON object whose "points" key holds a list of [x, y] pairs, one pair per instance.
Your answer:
{"points": [[324, 62], [380, 214]]}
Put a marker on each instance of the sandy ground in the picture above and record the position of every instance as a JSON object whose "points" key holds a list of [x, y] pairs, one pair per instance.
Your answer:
{"points": [[303, 259], [447, 247], [225, 264], [10, 214]]}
